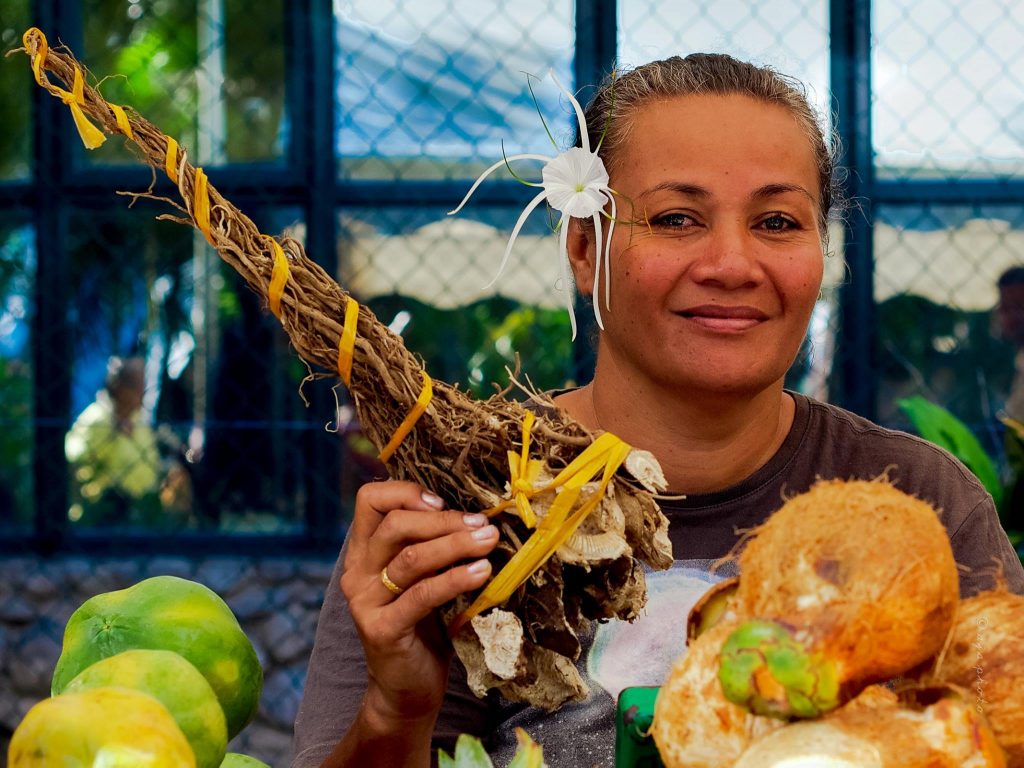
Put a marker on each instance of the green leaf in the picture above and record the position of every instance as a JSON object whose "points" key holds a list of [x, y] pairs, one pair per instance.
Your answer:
{"points": [[528, 752], [469, 753], [937, 425]]}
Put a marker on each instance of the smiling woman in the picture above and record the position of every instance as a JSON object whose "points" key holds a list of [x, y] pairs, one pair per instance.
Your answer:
{"points": [[715, 283], [723, 183]]}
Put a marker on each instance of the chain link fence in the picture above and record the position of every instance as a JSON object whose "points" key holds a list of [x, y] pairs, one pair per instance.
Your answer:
{"points": [[148, 397]]}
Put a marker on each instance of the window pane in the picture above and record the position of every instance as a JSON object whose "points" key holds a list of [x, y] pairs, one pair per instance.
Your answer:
{"points": [[790, 35], [935, 284], [208, 72], [431, 89], [17, 277], [425, 275], [948, 87], [15, 95], [185, 402]]}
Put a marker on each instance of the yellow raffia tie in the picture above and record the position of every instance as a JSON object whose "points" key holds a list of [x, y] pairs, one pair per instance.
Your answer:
{"points": [[171, 160], [347, 343], [122, 120], [604, 455], [1016, 426], [278, 277], [523, 472], [92, 136], [201, 205], [426, 394]]}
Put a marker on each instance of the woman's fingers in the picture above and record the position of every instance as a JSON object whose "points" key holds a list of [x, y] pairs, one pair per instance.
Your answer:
{"points": [[401, 527], [375, 500], [415, 562], [426, 595]]}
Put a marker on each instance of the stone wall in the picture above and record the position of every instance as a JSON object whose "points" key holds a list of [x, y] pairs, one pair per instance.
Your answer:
{"points": [[277, 601]]}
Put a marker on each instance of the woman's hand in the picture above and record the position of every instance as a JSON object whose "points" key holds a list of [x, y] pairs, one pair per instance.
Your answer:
{"points": [[402, 528]]}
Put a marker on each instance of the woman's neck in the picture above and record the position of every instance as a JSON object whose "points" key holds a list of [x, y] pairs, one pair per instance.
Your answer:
{"points": [[704, 443]]}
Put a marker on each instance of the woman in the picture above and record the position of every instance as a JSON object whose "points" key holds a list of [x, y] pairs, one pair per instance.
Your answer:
{"points": [[713, 281]]}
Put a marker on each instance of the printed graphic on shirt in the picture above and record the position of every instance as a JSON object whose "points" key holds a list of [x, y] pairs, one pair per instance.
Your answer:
{"points": [[642, 653]]}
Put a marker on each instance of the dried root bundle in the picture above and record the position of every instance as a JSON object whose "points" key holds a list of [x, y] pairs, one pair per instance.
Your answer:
{"points": [[456, 445]]}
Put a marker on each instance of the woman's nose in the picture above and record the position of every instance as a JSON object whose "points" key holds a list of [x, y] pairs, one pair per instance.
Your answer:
{"points": [[729, 258]]}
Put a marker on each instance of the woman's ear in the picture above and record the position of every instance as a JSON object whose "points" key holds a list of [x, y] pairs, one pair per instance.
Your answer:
{"points": [[580, 247]]}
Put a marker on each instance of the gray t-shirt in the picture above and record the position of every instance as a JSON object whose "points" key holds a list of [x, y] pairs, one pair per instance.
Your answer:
{"points": [[824, 442]]}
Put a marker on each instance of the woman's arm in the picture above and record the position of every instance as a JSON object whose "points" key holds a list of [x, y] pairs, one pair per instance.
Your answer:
{"points": [[379, 669]]}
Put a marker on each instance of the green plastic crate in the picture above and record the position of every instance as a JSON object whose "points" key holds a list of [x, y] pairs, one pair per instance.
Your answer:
{"points": [[634, 747]]}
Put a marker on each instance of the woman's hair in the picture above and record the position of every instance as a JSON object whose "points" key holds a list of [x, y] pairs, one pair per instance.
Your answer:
{"points": [[610, 113]]}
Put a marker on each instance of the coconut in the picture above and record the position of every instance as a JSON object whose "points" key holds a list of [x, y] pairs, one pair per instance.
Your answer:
{"points": [[918, 728], [985, 655], [695, 726], [852, 583]]}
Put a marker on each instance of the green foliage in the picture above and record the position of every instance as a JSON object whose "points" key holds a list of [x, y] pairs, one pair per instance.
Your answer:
{"points": [[937, 425], [16, 435], [948, 352], [470, 753], [15, 94], [149, 53], [473, 345]]}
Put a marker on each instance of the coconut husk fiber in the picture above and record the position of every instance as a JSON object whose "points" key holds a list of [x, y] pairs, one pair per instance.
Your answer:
{"points": [[912, 728], [860, 571], [695, 725], [458, 447], [985, 656]]}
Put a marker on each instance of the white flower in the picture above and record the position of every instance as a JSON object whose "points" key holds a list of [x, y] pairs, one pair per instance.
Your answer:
{"points": [[574, 183]]}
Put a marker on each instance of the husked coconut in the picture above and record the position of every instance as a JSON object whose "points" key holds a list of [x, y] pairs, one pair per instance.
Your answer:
{"points": [[695, 726], [985, 656], [849, 583], [919, 728]]}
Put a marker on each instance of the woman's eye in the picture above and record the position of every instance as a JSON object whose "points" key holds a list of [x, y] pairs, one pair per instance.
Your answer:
{"points": [[778, 223], [673, 220]]}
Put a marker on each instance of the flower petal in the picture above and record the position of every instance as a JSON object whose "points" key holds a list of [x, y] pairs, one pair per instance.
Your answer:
{"points": [[563, 258], [608, 255], [581, 120], [596, 293], [504, 161], [515, 233]]}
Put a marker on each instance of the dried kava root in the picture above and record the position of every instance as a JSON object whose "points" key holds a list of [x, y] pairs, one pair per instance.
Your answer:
{"points": [[458, 447]]}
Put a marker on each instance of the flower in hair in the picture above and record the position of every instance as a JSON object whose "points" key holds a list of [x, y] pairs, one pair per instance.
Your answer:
{"points": [[574, 183]]}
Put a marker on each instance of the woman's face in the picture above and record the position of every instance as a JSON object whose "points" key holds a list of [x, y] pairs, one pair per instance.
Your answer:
{"points": [[716, 259]]}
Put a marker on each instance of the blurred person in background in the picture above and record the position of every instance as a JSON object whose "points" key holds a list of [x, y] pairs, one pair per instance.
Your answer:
{"points": [[113, 453], [1009, 317]]}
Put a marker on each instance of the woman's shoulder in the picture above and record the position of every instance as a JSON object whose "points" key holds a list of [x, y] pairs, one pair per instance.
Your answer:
{"points": [[845, 445]]}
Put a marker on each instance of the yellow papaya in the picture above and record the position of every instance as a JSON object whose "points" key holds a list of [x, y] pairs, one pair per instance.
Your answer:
{"points": [[175, 683], [112, 727], [172, 614], [235, 760]]}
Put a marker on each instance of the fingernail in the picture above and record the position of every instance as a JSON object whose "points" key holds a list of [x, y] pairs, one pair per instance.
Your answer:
{"points": [[479, 567], [484, 533], [474, 521], [432, 499]]}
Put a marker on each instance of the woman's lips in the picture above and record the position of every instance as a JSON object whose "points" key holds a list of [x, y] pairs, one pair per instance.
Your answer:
{"points": [[715, 317]]}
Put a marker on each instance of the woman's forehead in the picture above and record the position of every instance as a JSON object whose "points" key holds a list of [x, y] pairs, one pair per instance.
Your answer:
{"points": [[710, 139]]}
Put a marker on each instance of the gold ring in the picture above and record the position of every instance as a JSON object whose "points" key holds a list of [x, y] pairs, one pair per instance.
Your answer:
{"points": [[393, 588]]}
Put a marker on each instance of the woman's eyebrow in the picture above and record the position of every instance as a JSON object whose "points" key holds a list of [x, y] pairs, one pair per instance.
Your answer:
{"points": [[690, 190], [771, 190], [695, 190]]}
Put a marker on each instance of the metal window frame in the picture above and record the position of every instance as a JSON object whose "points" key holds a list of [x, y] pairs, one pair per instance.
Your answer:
{"points": [[308, 180]]}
